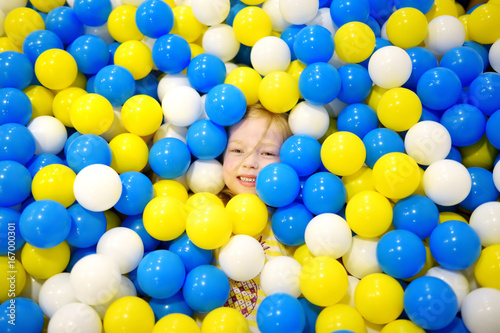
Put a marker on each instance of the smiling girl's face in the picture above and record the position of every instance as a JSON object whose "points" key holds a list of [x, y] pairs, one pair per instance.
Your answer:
{"points": [[253, 143]]}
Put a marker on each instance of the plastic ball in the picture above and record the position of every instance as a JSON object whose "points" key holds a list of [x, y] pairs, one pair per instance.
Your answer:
{"points": [[427, 142], [50, 134], [169, 158], [124, 246], [9, 229], [122, 24], [442, 82], [18, 279], [309, 119], [422, 60], [281, 311], [417, 214], [302, 153], [486, 224], [241, 258], [91, 12], [486, 269], [289, 223], [154, 18], [86, 150], [396, 175], [355, 42], [390, 67], [356, 83], [129, 153], [86, 227], [224, 318], [329, 235], [343, 12], [172, 188], [455, 59], [379, 142], [174, 304], [357, 118], [198, 200], [43, 263], [64, 23], [20, 22], [182, 98], [481, 24], [407, 27], [17, 70], [248, 80], [136, 224], [494, 56], [141, 115], [54, 182], [62, 101], [248, 213], [481, 93], [379, 298], [447, 182], [191, 255], [15, 106], [361, 258], [56, 69], [478, 310], [482, 189], [466, 124], [17, 143], [323, 192], [15, 180], [278, 92], [205, 176], [340, 318], [251, 24], [369, 214], [211, 14], [421, 298], [165, 218], [77, 315], [209, 226], [176, 323], [206, 71], [319, 83], [281, 275], [39, 41], [171, 53], [129, 314], [91, 114], [206, 288], [22, 315], [481, 154], [225, 104], [277, 184], [137, 191], [270, 54], [343, 153], [312, 44], [455, 279], [136, 57], [90, 53]]}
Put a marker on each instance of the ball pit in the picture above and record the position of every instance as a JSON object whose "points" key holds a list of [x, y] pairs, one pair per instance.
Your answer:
{"points": [[380, 212]]}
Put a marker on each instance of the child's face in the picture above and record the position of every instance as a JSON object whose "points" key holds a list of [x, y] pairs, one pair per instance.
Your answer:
{"points": [[248, 151]]}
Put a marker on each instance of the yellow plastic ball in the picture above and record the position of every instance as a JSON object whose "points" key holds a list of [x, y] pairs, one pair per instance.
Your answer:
{"points": [[340, 317], [91, 114], [129, 152], [481, 154], [295, 69], [360, 181], [253, 2], [420, 188], [56, 69], [374, 97], [451, 216], [54, 182], [209, 226], [44, 263], [248, 80], [399, 109], [170, 188], [442, 7], [41, 100], [400, 326], [379, 298], [186, 25], [323, 281], [80, 82], [302, 254], [396, 175], [61, 104], [12, 277], [141, 115], [354, 42], [460, 9], [129, 314], [483, 24], [201, 198], [121, 24], [195, 50], [46, 6], [20, 22], [248, 213], [407, 27], [369, 214], [224, 319], [278, 92], [165, 218], [112, 219], [465, 21], [7, 45], [251, 24], [487, 267], [135, 56], [343, 153], [332, 128], [176, 323]]}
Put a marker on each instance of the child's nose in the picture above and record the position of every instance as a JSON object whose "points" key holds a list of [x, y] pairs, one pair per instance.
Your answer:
{"points": [[251, 161]]}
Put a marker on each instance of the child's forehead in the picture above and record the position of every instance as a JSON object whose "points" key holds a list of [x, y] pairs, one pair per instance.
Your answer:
{"points": [[256, 128]]}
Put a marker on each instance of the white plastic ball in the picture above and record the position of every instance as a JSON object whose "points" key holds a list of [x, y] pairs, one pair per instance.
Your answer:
{"points": [[101, 31], [494, 56], [127, 288], [306, 118], [95, 279], [444, 33], [242, 258], [177, 2], [210, 12], [169, 130], [496, 176], [334, 108], [335, 61], [447, 182], [299, 11], [70, 3], [124, 246], [383, 31], [205, 176], [485, 220], [116, 127], [329, 235], [281, 275], [272, 8], [221, 41], [361, 259], [171, 81], [181, 106], [324, 19], [352, 283], [390, 67], [455, 279], [50, 134], [114, 3], [230, 66], [7, 6], [427, 142], [134, 3], [481, 310], [56, 292], [32, 288], [149, 42], [270, 54], [75, 317], [97, 187]]}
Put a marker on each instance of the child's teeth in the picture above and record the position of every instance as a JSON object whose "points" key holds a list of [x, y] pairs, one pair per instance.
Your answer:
{"points": [[247, 179]]}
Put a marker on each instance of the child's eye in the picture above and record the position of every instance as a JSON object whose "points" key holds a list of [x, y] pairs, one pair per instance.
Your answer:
{"points": [[237, 151], [268, 153]]}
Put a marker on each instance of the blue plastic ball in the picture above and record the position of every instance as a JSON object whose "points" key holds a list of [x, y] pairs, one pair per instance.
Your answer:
{"points": [[137, 192], [357, 118], [277, 184], [86, 150], [15, 183], [10, 236], [191, 255], [15, 106], [236, 6], [206, 288], [205, 139], [90, 53], [492, 126], [64, 23], [422, 60], [456, 326], [484, 94], [439, 88], [70, 140], [303, 153], [423, 5], [324, 192], [381, 9], [431, 115], [38, 41], [148, 85], [426, 295], [45, 223], [483, 189], [16, 70], [356, 83], [205, 71], [93, 13], [344, 11], [313, 43], [454, 155], [289, 35], [281, 312], [169, 305], [417, 214], [154, 18], [112, 49], [381, 141], [169, 158], [26, 315], [465, 123], [87, 227], [161, 274], [116, 83], [289, 223], [455, 245], [374, 25], [17, 143], [319, 83], [171, 53], [465, 62], [39, 161], [312, 312], [89, 87], [225, 104], [481, 50], [136, 223]]}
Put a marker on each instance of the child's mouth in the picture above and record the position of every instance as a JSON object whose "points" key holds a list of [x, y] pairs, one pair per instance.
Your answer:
{"points": [[247, 181]]}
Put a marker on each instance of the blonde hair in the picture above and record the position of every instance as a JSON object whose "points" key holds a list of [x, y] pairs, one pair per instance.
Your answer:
{"points": [[257, 111]]}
